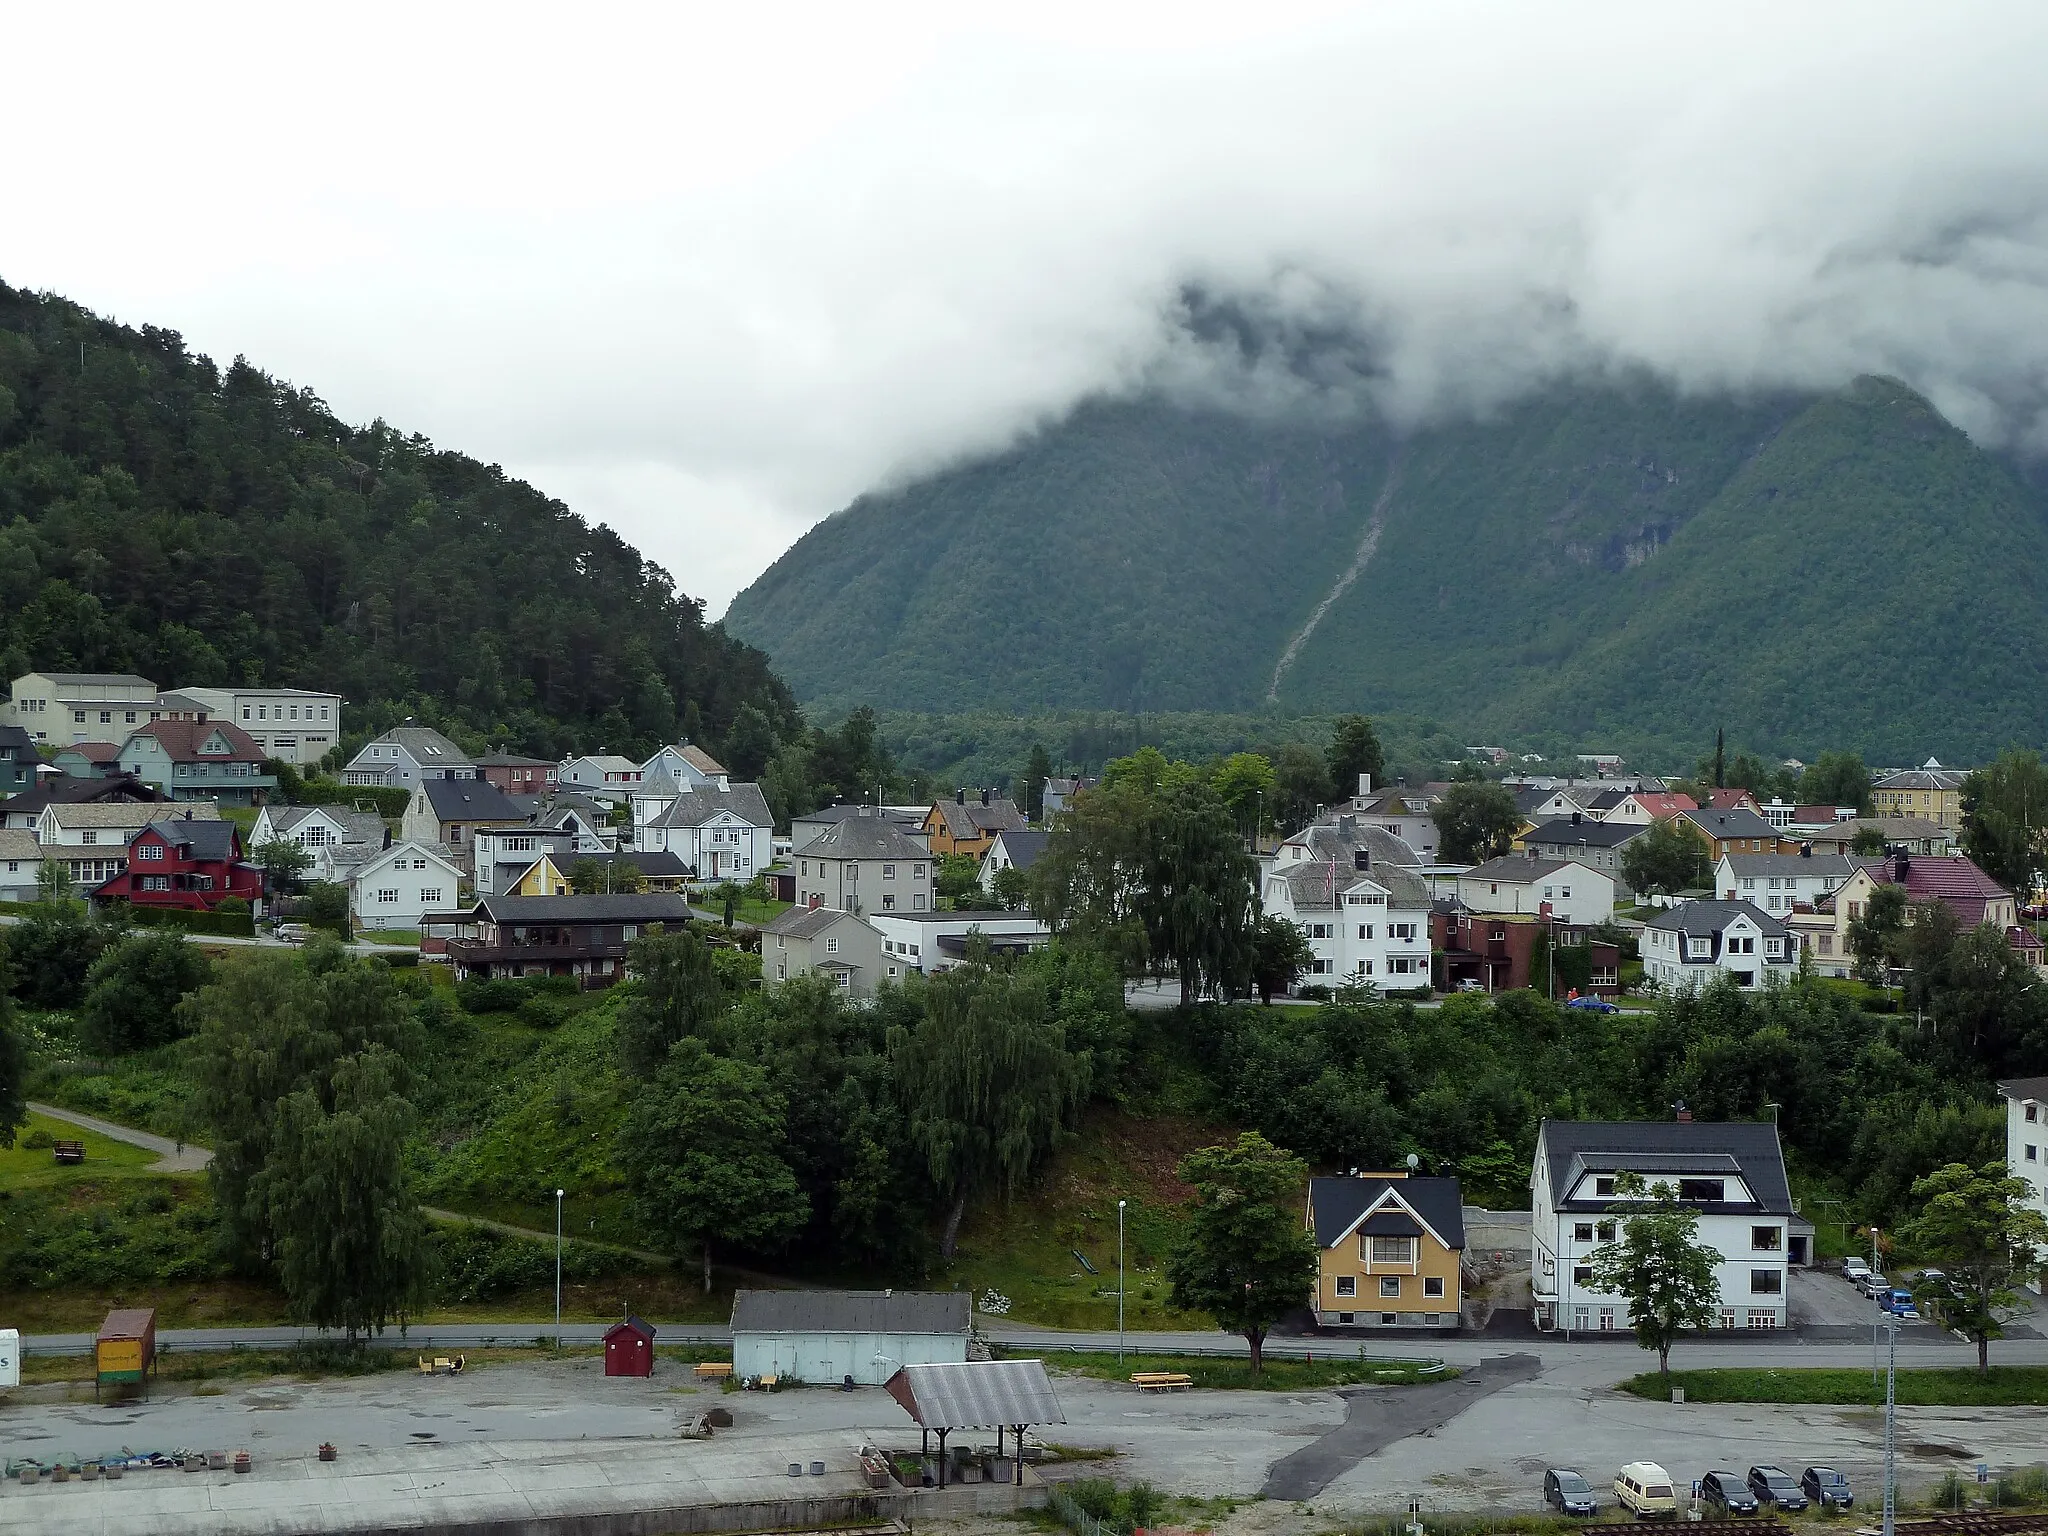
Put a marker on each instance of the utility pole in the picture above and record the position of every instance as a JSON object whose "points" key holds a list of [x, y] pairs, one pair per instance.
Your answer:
{"points": [[1891, 1396], [558, 1269], [1120, 1282]]}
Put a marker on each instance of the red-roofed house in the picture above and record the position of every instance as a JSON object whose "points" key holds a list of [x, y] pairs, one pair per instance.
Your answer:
{"points": [[1646, 806], [198, 760], [1951, 879], [1732, 800], [191, 864]]}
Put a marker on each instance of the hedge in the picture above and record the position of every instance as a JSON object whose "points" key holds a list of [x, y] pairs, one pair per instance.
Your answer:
{"points": [[239, 925], [390, 803]]}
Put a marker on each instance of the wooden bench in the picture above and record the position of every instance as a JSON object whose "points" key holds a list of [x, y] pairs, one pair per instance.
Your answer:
{"points": [[1161, 1381], [768, 1383], [69, 1151], [713, 1370]]}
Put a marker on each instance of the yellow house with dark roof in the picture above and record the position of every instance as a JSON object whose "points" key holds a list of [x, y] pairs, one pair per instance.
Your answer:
{"points": [[1391, 1251]]}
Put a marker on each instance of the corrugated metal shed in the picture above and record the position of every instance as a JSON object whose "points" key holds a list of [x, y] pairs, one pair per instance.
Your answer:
{"points": [[977, 1394]]}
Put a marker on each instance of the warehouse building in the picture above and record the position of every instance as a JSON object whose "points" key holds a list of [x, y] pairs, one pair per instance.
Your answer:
{"points": [[825, 1337]]}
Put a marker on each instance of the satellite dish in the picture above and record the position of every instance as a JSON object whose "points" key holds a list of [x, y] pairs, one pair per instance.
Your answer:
{"points": [[1414, 1162]]}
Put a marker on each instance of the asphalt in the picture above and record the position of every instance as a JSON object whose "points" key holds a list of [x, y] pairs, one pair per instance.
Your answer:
{"points": [[172, 1156]]}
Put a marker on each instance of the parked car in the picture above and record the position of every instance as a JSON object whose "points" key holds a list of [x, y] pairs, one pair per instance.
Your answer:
{"points": [[1899, 1302], [1826, 1487], [1593, 1004], [1727, 1492], [1471, 984], [1644, 1490], [1854, 1269], [1568, 1492], [1872, 1282], [1774, 1485]]}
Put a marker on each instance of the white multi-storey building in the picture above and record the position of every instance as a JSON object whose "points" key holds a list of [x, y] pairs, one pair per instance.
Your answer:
{"points": [[1732, 1173], [2026, 1141], [1688, 946], [1778, 882], [293, 725], [1355, 892]]}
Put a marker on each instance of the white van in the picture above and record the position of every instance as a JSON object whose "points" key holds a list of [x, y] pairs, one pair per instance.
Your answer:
{"points": [[1644, 1490]]}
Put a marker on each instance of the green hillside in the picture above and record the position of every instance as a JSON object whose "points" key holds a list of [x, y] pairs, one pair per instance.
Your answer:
{"points": [[160, 515], [1608, 565]]}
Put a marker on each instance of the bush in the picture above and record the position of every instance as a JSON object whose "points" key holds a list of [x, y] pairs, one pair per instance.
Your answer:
{"points": [[234, 906], [492, 994], [39, 1140], [543, 1011], [230, 924]]}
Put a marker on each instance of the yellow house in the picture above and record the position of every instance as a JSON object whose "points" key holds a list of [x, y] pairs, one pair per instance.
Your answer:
{"points": [[1392, 1251], [1932, 793], [543, 879]]}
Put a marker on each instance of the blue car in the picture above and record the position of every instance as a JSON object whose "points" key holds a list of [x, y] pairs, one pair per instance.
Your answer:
{"points": [[1593, 1004], [1899, 1303]]}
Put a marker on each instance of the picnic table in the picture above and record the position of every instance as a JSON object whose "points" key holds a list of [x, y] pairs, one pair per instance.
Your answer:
{"points": [[713, 1370], [1161, 1381]]}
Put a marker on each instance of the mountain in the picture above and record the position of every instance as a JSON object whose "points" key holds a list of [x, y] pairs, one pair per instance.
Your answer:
{"points": [[1608, 563], [160, 516]]}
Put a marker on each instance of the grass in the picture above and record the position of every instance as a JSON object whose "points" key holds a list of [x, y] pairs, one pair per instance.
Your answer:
{"points": [[2005, 1386], [313, 1362], [1025, 1250], [24, 1167], [405, 936], [1236, 1374]]}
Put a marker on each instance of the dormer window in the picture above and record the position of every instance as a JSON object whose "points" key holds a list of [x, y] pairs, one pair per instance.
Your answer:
{"points": [[1603, 1186]]}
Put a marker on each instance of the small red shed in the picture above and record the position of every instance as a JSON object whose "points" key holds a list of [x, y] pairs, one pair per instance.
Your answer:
{"points": [[629, 1348]]}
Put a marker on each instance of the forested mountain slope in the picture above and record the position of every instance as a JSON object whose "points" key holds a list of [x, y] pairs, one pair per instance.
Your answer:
{"points": [[199, 527], [1843, 569]]}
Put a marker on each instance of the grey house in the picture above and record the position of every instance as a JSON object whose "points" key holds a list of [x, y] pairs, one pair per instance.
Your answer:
{"points": [[824, 939], [833, 1336]]}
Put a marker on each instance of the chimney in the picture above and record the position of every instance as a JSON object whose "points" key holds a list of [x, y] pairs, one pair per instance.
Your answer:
{"points": [[1806, 850], [960, 796], [1900, 864], [1361, 859], [1684, 1114], [984, 798], [1577, 818], [1364, 785]]}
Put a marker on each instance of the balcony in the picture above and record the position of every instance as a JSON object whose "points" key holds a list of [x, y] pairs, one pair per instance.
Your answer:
{"points": [[505, 952]]}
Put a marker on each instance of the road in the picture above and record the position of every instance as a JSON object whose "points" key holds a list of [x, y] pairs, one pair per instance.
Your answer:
{"points": [[357, 947], [172, 1156]]}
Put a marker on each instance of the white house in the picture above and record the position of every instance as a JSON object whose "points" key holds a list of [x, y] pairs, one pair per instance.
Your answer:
{"points": [[2026, 1140], [21, 859], [937, 941], [336, 837], [1580, 839], [60, 708], [397, 886], [1732, 1173], [1366, 922], [832, 943], [1014, 848], [1778, 881], [293, 725], [1404, 812], [825, 1337], [1687, 946], [690, 766], [608, 776], [1522, 883], [862, 864], [409, 755], [720, 833], [500, 855]]}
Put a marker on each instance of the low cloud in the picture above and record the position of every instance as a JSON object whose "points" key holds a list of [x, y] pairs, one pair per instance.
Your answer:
{"points": [[711, 285]]}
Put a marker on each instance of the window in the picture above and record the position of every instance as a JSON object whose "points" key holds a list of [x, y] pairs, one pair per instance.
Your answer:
{"points": [[1763, 1319], [2033, 1153], [1582, 1274], [387, 897], [1606, 1231], [2033, 1113], [1347, 1285], [1699, 949], [1603, 1186], [1728, 1319], [1393, 1250], [1365, 930], [917, 871], [78, 717], [1702, 1189], [1607, 1319], [1583, 1232], [1766, 1239], [88, 838], [1389, 1319], [1390, 1285], [106, 717], [431, 897], [1766, 1282], [832, 946], [149, 852], [888, 870], [1432, 1285], [917, 902], [1565, 893], [313, 837], [888, 903]]}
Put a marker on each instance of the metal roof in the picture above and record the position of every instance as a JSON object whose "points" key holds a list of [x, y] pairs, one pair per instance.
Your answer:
{"points": [[976, 1394], [851, 1311]]}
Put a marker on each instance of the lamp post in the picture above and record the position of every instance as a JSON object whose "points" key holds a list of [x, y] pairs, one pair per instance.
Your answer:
{"points": [[1877, 1312], [558, 1269], [1120, 1282], [1891, 1383]]}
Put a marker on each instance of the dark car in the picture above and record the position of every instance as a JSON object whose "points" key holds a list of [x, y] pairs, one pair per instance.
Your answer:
{"points": [[1728, 1493], [1568, 1493], [1593, 1004], [1826, 1487], [1774, 1485]]}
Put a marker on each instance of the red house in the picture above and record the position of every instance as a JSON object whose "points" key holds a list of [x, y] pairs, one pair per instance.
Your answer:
{"points": [[629, 1348], [181, 863]]}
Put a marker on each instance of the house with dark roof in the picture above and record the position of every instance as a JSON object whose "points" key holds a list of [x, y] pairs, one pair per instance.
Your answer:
{"points": [[517, 774], [198, 760], [909, 822], [581, 936], [408, 755], [1739, 830], [26, 808], [19, 761], [1014, 849], [721, 831], [1732, 1173], [863, 864], [828, 1337], [1687, 946], [1579, 839], [1930, 792], [1364, 909], [1391, 1248], [1781, 882], [450, 812], [830, 942], [1895, 834], [186, 863], [967, 824], [335, 837]]}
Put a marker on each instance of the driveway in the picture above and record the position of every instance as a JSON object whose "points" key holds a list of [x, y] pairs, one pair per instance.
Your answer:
{"points": [[172, 1156]]}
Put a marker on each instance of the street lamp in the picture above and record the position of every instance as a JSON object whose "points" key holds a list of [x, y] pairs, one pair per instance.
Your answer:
{"points": [[558, 1269], [1120, 1282]]}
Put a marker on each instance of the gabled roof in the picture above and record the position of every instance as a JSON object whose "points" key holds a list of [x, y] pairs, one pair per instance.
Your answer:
{"points": [[1678, 1146], [1516, 869], [1949, 878], [697, 806], [605, 762], [974, 820], [468, 800], [1730, 800], [511, 760], [1701, 919], [806, 922], [94, 751], [1565, 833], [13, 739], [1022, 846], [653, 907], [2035, 1088], [862, 837], [94, 679], [78, 789], [1799, 865], [1316, 886], [1736, 823], [212, 841], [423, 744], [18, 843], [1341, 837], [182, 739], [1341, 1204], [1922, 778], [702, 761], [943, 1312], [1661, 803], [658, 866], [658, 782], [373, 858], [136, 814]]}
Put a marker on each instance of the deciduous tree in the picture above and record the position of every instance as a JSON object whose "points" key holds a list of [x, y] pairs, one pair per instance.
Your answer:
{"points": [[1836, 778], [1301, 784], [133, 990], [1476, 822], [1657, 1264], [13, 1065], [1669, 857], [281, 861], [2005, 819], [1281, 953], [1979, 1227], [674, 993], [1244, 1256]]}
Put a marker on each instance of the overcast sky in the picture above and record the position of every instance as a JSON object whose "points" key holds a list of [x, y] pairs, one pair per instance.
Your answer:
{"points": [[708, 273]]}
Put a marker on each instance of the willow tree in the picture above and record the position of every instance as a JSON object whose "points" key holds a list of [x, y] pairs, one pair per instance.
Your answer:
{"points": [[675, 993], [988, 1084]]}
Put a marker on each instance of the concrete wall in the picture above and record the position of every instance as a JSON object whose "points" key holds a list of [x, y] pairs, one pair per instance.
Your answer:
{"points": [[828, 1358]]}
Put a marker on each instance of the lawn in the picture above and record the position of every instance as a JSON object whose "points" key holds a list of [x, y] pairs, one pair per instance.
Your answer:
{"points": [[23, 1167], [313, 1362], [1030, 1251], [2006, 1386], [1337, 1369]]}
